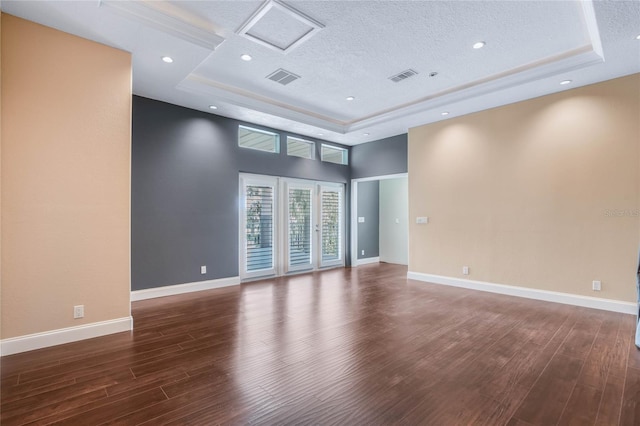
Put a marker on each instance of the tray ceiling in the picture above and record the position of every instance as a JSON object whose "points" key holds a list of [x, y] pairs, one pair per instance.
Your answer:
{"points": [[333, 50]]}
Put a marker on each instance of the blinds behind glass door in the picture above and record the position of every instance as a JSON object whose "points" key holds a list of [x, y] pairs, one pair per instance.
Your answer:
{"points": [[259, 227], [331, 224], [289, 226], [300, 226]]}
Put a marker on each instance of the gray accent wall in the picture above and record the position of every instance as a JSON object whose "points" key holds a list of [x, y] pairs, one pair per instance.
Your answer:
{"points": [[382, 157], [368, 199], [184, 191]]}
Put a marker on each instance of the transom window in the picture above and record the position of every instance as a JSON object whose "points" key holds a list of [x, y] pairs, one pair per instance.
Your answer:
{"points": [[300, 148], [260, 140], [333, 154]]}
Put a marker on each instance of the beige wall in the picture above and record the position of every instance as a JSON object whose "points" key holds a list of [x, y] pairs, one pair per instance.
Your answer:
{"points": [[543, 193], [66, 115]]}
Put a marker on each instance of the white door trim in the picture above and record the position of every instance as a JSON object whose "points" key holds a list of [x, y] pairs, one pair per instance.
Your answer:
{"points": [[354, 209]]}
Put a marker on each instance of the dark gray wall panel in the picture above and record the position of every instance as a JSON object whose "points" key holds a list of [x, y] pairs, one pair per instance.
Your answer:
{"points": [[184, 190], [383, 157], [369, 208]]}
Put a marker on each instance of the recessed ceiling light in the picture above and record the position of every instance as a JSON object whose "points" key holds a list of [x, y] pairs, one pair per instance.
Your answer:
{"points": [[638, 37], [320, 134], [563, 82], [479, 45], [350, 98], [366, 134], [213, 107], [444, 113], [246, 57], [167, 59]]}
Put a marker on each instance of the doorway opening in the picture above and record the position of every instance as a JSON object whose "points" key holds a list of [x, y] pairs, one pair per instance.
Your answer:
{"points": [[380, 220]]}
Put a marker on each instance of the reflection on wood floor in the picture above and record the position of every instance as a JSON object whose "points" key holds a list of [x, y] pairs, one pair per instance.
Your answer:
{"points": [[345, 346]]}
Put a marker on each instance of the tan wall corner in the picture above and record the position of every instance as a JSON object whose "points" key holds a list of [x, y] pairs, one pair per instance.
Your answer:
{"points": [[543, 193], [66, 143]]}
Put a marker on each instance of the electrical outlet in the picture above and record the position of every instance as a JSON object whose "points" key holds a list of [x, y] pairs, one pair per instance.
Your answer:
{"points": [[203, 269], [422, 220], [597, 286], [78, 311], [465, 270], [362, 253]]}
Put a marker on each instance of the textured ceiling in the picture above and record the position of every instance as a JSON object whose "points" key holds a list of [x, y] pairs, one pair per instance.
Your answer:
{"points": [[364, 44], [530, 47]]}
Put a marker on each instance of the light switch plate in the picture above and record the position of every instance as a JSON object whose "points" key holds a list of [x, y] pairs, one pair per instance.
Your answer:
{"points": [[361, 219], [422, 220]]}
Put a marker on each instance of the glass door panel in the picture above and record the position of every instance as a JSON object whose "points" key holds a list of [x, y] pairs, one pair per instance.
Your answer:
{"points": [[258, 241], [300, 227], [331, 225]]}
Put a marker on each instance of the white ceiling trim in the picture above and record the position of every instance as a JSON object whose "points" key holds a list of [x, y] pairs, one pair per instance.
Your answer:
{"points": [[548, 67], [200, 85], [571, 60], [289, 11], [589, 14], [168, 19], [175, 21], [577, 58]]}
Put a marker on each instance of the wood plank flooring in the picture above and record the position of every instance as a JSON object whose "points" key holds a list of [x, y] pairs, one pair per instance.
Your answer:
{"points": [[357, 346]]}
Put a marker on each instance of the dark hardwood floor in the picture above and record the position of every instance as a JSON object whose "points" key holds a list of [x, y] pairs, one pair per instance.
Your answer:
{"points": [[348, 346]]}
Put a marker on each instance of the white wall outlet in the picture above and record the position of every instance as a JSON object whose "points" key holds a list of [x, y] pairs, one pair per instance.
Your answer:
{"points": [[361, 219], [362, 253], [597, 286], [465, 270], [78, 311], [397, 220], [422, 220], [203, 269]]}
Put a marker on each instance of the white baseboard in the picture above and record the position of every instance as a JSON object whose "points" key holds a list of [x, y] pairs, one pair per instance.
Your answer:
{"points": [[45, 339], [367, 261], [172, 290], [530, 293]]}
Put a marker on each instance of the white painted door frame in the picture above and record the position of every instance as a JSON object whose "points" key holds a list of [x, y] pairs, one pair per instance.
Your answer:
{"points": [[354, 211]]}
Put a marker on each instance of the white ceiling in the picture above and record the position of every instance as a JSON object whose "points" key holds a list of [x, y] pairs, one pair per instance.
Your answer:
{"points": [[351, 48]]}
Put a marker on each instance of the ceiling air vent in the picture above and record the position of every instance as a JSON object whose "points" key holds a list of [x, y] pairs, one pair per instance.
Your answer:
{"points": [[403, 75], [283, 77]]}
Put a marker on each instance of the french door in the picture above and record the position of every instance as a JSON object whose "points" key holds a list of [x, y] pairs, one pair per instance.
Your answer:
{"points": [[258, 215], [331, 225], [300, 225], [289, 225]]}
